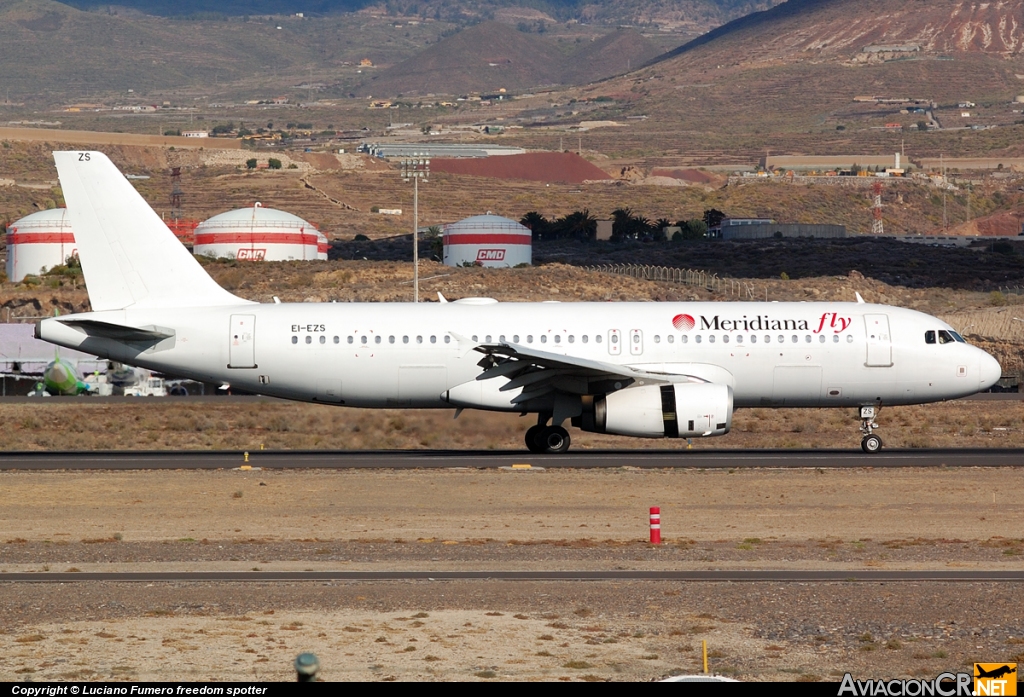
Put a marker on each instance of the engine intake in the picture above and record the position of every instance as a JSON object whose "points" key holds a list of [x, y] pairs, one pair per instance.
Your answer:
{"points": [[682, 410]]}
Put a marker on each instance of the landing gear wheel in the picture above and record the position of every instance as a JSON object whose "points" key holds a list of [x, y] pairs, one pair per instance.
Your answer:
{"points": [[871, 444], [555, 439], [533, 439]]}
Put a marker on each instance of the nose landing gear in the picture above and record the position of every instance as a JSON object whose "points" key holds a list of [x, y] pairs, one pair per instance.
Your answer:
{"points": [[870, 443]]}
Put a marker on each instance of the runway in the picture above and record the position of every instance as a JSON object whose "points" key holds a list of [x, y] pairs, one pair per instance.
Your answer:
{"points": [[442, 459], [844, 576]]}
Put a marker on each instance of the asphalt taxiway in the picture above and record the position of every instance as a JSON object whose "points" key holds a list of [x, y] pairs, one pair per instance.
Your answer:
{"points": [[441, 459]]}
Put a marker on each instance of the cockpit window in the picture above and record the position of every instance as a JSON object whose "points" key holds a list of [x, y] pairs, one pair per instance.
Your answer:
{"points": [[929, 337], [946, 337], [959, 339]]}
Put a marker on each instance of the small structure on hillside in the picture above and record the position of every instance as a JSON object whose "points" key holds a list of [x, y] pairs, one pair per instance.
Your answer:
{"points": [[487, 240]]}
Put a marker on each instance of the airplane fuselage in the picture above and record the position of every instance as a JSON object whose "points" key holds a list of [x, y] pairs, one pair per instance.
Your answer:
{"points": [[412, 355]]}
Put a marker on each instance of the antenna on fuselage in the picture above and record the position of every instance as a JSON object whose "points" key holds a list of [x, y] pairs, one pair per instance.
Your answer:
{"points": [[860, 300]]}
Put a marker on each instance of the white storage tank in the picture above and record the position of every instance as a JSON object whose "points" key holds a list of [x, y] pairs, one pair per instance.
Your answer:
{"points": [[487, 240], [259, 234], [38, 242]]}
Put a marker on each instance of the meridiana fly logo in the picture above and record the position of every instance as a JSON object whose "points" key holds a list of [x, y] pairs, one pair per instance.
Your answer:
{"points": [[683, 323], [827, 323], [995, 679]]}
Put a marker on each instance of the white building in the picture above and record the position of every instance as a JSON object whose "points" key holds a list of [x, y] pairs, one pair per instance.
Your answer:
{"points": [[259, 234], [39, 242], [487, 240]]}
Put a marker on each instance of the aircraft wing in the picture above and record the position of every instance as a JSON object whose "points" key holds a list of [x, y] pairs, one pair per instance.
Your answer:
{"points": [[541, 372]]}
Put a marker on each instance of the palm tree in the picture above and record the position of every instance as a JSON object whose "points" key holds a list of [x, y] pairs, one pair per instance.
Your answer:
{"points": [[537, 223]]}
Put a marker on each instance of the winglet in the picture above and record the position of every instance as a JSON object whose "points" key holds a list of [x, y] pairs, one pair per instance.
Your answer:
{"points": [[860, 300]]}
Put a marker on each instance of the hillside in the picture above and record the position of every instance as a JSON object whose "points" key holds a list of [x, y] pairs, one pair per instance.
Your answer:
{"points": [[843, 29], [699, 14], [492, 56]]}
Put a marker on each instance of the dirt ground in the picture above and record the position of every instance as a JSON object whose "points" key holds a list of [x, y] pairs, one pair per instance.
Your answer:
{"points": [[220, 423], [475, 519]]}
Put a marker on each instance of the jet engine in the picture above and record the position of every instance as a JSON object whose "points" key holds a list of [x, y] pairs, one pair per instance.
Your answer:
{"points": [[680, 410]]}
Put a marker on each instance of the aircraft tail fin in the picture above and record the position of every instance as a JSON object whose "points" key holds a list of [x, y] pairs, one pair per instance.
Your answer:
{"points": [[129, 256]]}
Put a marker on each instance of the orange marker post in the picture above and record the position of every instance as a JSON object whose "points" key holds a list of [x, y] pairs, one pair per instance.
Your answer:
{"points": [[655, 525]]}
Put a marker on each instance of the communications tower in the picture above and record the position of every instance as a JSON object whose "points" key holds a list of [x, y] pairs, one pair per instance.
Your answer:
{"points": [[876, 211]]}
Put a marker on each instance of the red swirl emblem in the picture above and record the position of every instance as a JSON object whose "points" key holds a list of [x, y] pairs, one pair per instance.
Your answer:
{"points": [[683, 323]]}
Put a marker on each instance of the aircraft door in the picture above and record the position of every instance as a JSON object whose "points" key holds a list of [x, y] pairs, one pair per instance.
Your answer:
{"points": [[879, 341], [614, 342], [242, 342], [636, 342]]}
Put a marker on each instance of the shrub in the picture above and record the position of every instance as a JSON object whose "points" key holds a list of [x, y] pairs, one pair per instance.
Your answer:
{"points": [[274, 163]]}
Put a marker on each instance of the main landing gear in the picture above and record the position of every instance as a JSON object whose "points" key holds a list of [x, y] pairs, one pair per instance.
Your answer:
{"points": [[871, 443], [547, 439]]}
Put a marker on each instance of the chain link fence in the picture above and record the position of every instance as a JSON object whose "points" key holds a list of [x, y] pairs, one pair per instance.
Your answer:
{"points": [[690, 277]]}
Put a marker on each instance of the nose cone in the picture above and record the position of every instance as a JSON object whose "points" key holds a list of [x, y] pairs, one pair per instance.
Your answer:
{"points": [[990, 372]]}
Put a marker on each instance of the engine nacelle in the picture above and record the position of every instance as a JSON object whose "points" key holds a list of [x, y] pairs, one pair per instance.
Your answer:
{"points": [[683, 410]]}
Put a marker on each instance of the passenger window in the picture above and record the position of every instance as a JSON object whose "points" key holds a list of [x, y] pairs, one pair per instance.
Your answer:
{"points": [[753, 339], [529, 338], [391, 339], [796, 339], [657, 339], [697, 338], [739, 338], [782, 339], [585, 339], [945, 337], [835, 338], [929, 336], [684, 338], [377, 339], [571, 338], [598, 339], [515, 338], [501, 338], [671, 339], [323, 339], [488, 338], [849, 338], [309, 340], [350, 340], [558, 339], [767, 339], [405, 340], [711, 338], [295, 339], [337, 340], [725, 338], [543, 338], [447, 339], [362, 339], [419, 339], [433, 339], [807, 338], [821, 338]]}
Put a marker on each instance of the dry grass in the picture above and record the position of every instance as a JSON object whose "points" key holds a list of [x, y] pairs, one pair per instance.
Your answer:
{"points": [[91, 424]]}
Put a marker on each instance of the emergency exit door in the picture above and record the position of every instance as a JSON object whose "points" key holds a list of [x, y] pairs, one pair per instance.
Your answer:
{"points": [[242, 342]]}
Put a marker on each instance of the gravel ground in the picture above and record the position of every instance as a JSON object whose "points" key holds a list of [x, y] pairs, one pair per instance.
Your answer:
{"points": [[485, 630]]}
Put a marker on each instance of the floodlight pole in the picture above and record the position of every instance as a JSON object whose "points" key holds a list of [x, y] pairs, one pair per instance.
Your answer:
{"points": [[415, 169]]}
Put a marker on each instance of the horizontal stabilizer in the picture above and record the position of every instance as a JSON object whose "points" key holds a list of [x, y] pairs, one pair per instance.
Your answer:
{"points": [[117, 332]]}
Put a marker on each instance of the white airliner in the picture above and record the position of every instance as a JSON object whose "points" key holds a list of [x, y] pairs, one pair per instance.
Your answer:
{"points": [[675, 370]]}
